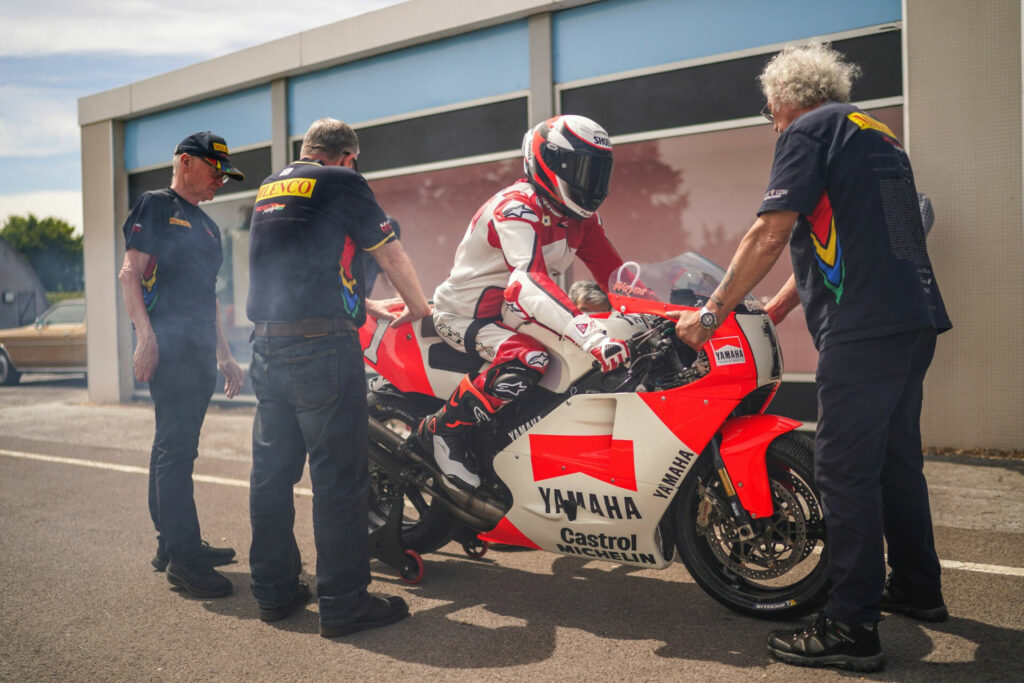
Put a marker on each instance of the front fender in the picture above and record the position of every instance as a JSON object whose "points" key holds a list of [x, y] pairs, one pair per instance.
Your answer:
{"points": [[744, 444]]}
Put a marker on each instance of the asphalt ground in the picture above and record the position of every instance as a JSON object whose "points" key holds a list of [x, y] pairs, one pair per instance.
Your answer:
{"points": [[79, 600]]}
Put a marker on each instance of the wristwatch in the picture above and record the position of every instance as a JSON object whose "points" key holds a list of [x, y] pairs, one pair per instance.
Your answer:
{"points": [[708, 320]]}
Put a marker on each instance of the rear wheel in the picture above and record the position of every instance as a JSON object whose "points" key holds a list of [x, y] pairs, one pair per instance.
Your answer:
{"points": [[8, 374], [426, 523], [782, 571]]}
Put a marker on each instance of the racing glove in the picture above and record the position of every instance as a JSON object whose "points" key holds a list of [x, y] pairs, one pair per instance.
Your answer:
{"points": [[592, 338]]}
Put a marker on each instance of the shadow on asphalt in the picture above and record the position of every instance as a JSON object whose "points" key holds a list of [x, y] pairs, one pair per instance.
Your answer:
{"points": [[523, 610]]}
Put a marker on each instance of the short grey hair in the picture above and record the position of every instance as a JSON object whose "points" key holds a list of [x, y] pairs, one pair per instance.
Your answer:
{"points": [[801, 76], [329, 138], [586, 294]]}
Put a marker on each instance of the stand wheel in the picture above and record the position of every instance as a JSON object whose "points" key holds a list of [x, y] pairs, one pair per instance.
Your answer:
{"points": [[412, 571], [475, 548]]}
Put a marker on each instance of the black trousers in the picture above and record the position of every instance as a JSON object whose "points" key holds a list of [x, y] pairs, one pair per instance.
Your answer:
{"points": [[181, 389], [869, 467]]}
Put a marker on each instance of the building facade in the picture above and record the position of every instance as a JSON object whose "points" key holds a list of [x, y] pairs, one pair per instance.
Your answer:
{"points": [[441, 91]]}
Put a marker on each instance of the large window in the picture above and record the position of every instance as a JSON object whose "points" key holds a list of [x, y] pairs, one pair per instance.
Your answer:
{"points": [[685, 193]]}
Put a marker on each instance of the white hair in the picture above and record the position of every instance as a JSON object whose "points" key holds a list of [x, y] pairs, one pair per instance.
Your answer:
{"points": [[801, 76]]}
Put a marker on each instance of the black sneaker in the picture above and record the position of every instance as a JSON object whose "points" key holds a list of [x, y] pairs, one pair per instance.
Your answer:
{"points": [[926, 609], [198, 578], [383, 611], [825, 642], [213, 556], [281, 611]]}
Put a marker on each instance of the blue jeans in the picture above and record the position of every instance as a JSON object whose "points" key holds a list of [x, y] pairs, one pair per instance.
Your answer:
{"points": [[181, 389], [869, 468], [312, 399]]}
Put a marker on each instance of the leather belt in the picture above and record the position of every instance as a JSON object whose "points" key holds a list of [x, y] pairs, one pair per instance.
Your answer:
{"points": [[315, 327]]}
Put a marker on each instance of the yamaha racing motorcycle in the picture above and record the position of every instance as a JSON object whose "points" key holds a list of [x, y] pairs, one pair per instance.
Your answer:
{"points": [[671, 457]]}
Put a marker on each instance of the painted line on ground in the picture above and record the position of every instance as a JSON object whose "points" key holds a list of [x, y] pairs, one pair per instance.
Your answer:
{"points": [[242, 483], [132, 469]]}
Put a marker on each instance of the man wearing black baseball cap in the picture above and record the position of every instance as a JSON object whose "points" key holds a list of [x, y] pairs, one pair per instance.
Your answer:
{"points": [[212, 149], [173, 253]]}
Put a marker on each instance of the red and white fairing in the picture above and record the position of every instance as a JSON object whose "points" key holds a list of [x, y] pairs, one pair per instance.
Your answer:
{"points": [[595, 476]]}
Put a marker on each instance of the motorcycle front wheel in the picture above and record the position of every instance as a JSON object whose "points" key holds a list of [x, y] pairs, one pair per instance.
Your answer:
{"points": [[782, 570], [426, 524]]}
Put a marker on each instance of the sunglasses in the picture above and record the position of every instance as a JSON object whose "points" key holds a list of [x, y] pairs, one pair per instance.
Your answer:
{"points": [[218, 173]]}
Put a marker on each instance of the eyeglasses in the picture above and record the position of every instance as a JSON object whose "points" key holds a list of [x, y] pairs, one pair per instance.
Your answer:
{"points": [[218, 173], [355, 161], [767, 112]]}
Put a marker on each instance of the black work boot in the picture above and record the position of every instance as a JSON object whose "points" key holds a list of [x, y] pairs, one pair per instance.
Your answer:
{"points": [[926, 608], [213, 556], [444, 434], [826, 642], [198, 578]]}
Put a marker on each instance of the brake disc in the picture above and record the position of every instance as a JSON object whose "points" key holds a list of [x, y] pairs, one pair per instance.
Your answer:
{"points": [[780, 544]]}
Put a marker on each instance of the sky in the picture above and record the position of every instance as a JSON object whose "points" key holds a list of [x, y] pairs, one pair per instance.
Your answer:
{"points": [[55, 51]]}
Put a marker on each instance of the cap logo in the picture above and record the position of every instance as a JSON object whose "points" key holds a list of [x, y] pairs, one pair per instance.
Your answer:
{"points": [[218, 147]]}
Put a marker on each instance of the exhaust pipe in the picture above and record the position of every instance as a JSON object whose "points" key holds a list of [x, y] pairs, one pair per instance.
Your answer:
{"points": [[393, 453]]}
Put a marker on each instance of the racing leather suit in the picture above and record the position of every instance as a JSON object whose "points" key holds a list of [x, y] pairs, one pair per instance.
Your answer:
{"points": [[503, 276]]}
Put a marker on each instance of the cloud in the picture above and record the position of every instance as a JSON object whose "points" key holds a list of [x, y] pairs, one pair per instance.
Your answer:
{"points": [[36, 121], [155, 27], [64, 205]]}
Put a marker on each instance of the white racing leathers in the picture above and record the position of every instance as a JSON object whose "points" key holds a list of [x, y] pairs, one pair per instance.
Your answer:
{"points": [[514, 247]]}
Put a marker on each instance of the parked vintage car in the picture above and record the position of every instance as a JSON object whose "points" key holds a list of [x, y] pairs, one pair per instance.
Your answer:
{"points": [[55, 342]]}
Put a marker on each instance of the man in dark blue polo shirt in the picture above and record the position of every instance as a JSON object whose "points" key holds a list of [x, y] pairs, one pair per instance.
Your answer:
{"points": [[307, 298], [173, 253], [842, 194]]}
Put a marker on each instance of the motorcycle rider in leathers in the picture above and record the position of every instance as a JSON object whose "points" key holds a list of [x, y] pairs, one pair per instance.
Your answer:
{"points": [[517, 243]]}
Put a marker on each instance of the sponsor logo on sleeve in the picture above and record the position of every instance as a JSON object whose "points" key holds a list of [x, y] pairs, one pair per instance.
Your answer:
{"points": [[775, 194], [294, 187], [270, 208], [866, 122], [728, 351], [520, 211]]}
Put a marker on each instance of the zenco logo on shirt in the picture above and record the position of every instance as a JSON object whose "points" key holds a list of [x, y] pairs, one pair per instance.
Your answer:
{"points": [[296, 187], [178, 221]]}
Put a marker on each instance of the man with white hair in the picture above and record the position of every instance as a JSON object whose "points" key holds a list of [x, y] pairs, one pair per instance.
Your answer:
{"points": [[842, 194]]}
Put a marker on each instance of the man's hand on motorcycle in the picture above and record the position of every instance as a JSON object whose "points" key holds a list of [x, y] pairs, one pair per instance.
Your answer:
{"points": [[689, 329], [407, 316], [611, 353]]}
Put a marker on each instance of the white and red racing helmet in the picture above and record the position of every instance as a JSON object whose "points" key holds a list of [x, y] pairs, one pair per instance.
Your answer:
{"points": [[569, 159]]}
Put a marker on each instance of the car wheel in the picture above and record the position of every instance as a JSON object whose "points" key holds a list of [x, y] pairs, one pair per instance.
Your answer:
{"points": [[8, 374]]}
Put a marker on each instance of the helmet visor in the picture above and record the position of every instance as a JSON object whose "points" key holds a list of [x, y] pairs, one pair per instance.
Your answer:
{"points": [[588, 177]]}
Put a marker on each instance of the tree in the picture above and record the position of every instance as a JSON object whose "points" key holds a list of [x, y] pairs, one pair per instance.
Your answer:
{"points": [[50, 247]]}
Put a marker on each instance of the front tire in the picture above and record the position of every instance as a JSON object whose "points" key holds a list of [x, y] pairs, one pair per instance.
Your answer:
{"points": [[8, 374], [782, 571], [426, 524]]}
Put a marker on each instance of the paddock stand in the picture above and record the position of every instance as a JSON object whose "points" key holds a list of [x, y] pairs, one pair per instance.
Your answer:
{"points": [[386, 540]]}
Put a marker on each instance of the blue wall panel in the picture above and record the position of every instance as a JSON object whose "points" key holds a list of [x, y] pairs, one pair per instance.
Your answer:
{"points": [[481, 64], [619, 35], [240, 118]]}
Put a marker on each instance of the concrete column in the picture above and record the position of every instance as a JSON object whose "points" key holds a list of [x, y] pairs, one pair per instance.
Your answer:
{"points": [[279, 152], [966, 142], [105, 206], [542, 101]]}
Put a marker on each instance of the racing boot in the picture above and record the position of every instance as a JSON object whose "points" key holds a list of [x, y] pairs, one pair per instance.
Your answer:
{"points": [[444, 433]]}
